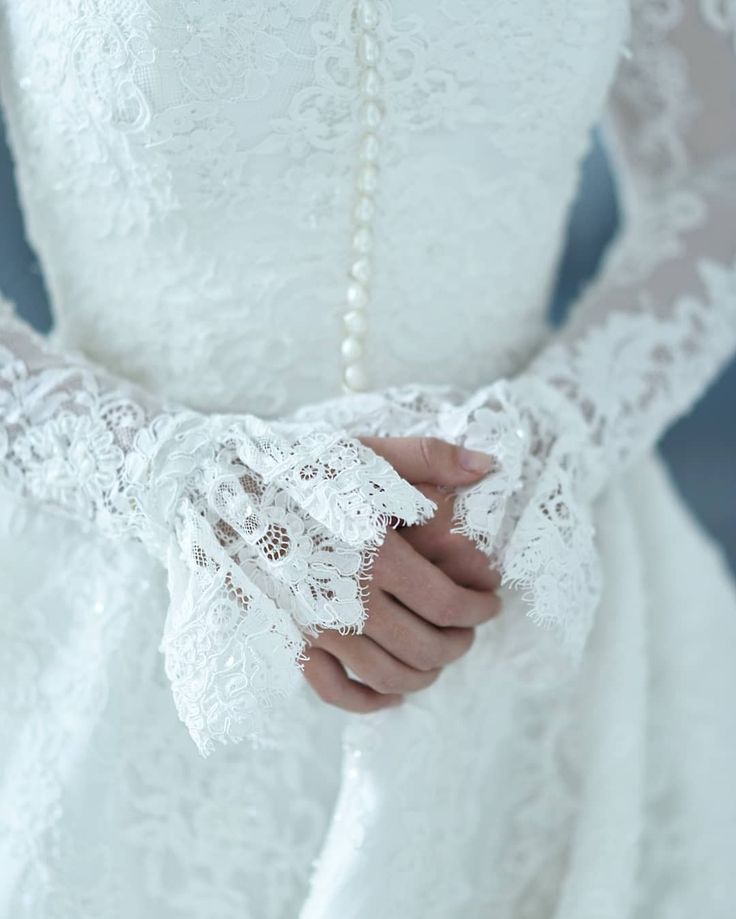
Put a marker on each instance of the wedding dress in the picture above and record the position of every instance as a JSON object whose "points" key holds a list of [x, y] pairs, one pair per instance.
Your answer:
{"points": [[268, 228]]}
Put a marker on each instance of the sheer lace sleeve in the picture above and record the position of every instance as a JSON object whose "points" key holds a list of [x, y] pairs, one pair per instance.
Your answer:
{"points": [[645, 339], [267, 531], [643, 342]]}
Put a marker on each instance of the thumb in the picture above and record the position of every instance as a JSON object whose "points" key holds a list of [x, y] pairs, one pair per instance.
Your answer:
{"points": [[431, 460]]}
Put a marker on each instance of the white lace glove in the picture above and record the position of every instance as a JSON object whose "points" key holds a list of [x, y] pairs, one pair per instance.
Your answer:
{"points": [[643, 343], [266, 530]]}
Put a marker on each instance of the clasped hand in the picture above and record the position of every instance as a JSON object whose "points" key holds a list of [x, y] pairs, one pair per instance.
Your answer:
{"points": [[428, 591]]}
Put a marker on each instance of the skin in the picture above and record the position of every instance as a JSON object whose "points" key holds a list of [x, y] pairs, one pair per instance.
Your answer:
{"points": [[429, 590]]}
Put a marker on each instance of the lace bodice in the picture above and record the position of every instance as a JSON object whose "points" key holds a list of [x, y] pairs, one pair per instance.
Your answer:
{"points": [[169, 145], [199, 181]]}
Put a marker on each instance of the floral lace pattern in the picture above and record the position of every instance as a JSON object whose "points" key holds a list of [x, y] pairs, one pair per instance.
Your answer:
{"points": [[558, 434], [182, 141], [642, 345], [203, 159], [265, 530]]}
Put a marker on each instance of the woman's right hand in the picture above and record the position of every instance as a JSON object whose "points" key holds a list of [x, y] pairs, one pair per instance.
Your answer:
{"points": [[429, 589]]}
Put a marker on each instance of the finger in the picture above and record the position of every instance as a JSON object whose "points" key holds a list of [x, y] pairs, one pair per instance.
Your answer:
{"points": [[429, 459], [453, 553], [375, 666], [327, 677], [413, 640], [405, 574], [471, 570], [456, 556]]}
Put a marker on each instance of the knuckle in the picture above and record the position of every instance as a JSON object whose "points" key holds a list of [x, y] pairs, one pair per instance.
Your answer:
{"points": [[329, 693], [430, 654], [400, 636], [431, 450], [388, 680], [449, 607], [442, 616], [441, 539]]}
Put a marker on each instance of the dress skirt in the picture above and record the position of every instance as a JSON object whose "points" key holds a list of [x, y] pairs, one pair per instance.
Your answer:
{"points": [[485, 795]]}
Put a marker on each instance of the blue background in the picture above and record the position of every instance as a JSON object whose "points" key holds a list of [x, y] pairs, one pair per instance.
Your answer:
{"points": [[701, 449]]}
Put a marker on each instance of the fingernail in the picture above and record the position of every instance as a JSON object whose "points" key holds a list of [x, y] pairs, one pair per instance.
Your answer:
{"points": [[475, 461]]}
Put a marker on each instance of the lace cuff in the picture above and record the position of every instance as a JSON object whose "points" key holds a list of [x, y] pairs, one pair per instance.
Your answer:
{"points": [[532, 515], [267, 531], [273, 537]]}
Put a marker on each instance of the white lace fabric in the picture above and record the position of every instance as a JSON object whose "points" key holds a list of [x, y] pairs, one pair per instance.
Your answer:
{"points": [[267, 530], [177, 144], [186, 170], [644, 341], [642, 344]]}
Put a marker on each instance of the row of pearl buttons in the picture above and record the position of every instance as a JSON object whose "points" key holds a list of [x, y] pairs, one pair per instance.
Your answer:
{"points": [[355, 377]]}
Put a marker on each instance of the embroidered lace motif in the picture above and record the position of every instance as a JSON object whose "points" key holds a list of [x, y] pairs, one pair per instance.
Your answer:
{"points": [[642, 344], [267, 530]]}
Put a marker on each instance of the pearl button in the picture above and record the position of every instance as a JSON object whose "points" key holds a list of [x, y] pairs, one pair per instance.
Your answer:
{"points": [[368, 49], [371, 116], [363, 240], [368, 179], [357, 296], [361, 270], [370, 83], [355, 322], [352, 349], [355, 378], [367, 15], [365, 210], [369, 148]]}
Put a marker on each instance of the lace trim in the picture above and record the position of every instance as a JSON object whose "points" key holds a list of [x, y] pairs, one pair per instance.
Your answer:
{"points": [[267, 531], [276, 539], [579, 417], [529, 517], [559, 432]]}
